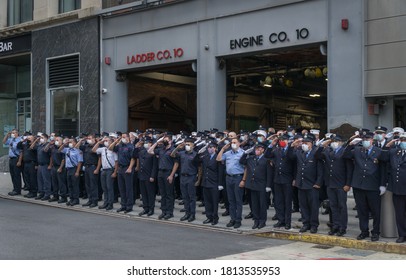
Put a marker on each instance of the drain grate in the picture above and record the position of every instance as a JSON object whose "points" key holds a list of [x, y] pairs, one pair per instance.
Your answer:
{"points": [[322, 246]]}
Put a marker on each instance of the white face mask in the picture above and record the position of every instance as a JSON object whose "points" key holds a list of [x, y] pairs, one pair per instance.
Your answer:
{"points": [[51, 138], [42, 140], [71, 145], [57, 143], [226, 142], [305, 147], [13, 135], [234, 146], [366, 144], [106, 144], [146, 146], [334, 145], [187, 148], [90, 141], [124, 141]]}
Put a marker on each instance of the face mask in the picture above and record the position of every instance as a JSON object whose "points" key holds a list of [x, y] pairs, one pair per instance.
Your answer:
{"points": [[290, 133], [366, 144], [57, 143], [282, 144], [42, 140], [124, 141], [165, 143], [259, 139], [334, 145], [234, 146], [213, 135], [402, 145], [106, 144], [305, 147], [13, 135], [187, 148], [51, 138], [24, 137], [154, 136], [226, 142], [146, 146], [378, 137], [71, 145], [90, 142], [218, 139]]}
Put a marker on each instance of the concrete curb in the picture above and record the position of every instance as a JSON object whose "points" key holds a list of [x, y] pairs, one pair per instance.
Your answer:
{"points": [[346, 242]]}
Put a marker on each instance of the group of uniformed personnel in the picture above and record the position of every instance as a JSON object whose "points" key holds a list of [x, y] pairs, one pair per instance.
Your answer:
{"points": [[298, 168]]}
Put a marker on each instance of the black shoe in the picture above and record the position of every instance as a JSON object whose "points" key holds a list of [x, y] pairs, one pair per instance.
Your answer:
{"points": [[62, 200], [121, 209], [30, 195], [191, 218], [14, 193], [304, 229], [341, 232], [69, 203], [104, 206], [401, 239], [93, 205], [261, 225], [279, 224], [53, 199], [109, 207], [160, 217], [87, 204], [150, 213], [249, 216], [333, 231], [128, 211], [237, 224], [142, 213], [362, 235], [330, 224], [182, 210], [168, 216], [288, 226], [374, 237], [313, 230], [274, 218], [223, 207], [230, 223], [214, 222], [204, 213], [74, 202], [185, 217], [226, 213], [300, 219], [181, 203], [256, 224], [45, 198], [39, 197], [201, 204], [207, 221]]}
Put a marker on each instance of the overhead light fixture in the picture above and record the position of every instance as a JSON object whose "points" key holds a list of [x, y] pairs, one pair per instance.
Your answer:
{"points": [[314, 95]]}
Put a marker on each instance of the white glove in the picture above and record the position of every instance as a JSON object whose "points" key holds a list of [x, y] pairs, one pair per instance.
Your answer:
{"points": [[248, 151], [319, 142], [267, 189], [355, 141], [221, 188], [382, 189]]}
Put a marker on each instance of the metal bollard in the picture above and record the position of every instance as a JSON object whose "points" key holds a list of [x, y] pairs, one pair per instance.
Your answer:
{"points": [[388, 221]]}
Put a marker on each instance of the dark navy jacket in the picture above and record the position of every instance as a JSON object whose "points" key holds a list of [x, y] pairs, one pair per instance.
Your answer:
{"points": [[258, 172], [148, 165], [284, 165], [309, 169], [338, 170], [212, 171]]}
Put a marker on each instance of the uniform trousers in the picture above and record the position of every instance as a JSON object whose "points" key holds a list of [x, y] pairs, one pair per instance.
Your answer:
{"points": [[167, 192], [15, 173], [309, 206], [399, 201], [125, 186], [148, 191], [338, 206], [211, 202], [30, 174], [368, 201], [44, 180], [283, 202], [107, 183], [259, 205], [91, 183], [188, 189], [235, 197], [58, 182], [73, 184]]}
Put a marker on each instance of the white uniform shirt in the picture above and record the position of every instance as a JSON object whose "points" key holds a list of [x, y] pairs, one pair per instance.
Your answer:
{"points": [[109, 157]]}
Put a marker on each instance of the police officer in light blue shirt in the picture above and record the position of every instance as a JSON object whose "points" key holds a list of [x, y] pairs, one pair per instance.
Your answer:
{"points": [[235, 172], [11, 139], [73, 163]]}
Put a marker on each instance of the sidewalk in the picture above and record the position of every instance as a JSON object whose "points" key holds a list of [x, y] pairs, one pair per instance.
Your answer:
{"points": [[349, 240]]}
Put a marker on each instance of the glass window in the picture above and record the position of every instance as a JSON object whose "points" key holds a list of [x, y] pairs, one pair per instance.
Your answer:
{"points": [[65, 111], [19, 11], [69, 5]]}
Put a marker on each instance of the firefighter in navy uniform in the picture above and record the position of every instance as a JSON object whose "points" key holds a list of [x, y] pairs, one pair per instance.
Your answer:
{"points": [[309, 178], [396, 158], [284, 172], [147, 168], [58, 174], [29, 165], [44, 167], [368, 183], [257, 178], [338, 181], [212, 173]]}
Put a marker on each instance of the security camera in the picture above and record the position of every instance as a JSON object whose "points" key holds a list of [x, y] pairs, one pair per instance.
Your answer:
{"points": [[104, 90], [382, 102]]}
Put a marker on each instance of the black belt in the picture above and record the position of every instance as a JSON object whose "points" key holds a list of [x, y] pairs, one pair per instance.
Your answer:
{"points": [[164, 170], [90, 164], [235, 175], [43, 164], [106, 169], [187, 175]]}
